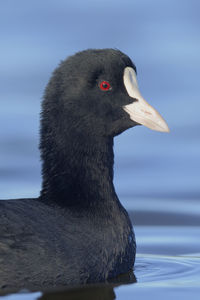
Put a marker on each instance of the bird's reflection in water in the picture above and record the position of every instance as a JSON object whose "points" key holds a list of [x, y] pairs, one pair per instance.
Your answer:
{"points": [[101, 291]]}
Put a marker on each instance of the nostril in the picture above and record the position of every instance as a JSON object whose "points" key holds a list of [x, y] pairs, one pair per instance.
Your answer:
{"points": [[146, 112]]}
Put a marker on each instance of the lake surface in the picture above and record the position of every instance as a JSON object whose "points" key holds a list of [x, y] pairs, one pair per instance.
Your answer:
{"points": [[157, 176]]}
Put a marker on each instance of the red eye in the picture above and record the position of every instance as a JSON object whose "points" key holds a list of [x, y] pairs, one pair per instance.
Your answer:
{"points": [[105, 86]]}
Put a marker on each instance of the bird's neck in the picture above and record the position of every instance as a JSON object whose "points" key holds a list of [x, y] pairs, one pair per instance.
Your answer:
{"points": [[79, 171]]}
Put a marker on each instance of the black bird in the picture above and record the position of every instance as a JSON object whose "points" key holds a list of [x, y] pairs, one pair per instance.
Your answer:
{"points": [[77, 231]]}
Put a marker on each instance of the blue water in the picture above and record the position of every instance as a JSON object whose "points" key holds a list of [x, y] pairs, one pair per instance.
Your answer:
{"points": [[157, 176]]}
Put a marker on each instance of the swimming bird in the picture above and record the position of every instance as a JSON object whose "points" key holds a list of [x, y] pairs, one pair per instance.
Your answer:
{"points": [[77, 231]]}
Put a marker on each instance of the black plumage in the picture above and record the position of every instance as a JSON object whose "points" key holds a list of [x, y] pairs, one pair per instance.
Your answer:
{"points": [[77, 231]]}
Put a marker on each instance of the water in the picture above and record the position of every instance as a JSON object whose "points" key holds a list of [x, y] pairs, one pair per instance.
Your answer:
{"points": [[156, 175]]}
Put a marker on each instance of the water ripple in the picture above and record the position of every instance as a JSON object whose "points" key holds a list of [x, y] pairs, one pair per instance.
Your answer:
{"points": [[168, 271]]}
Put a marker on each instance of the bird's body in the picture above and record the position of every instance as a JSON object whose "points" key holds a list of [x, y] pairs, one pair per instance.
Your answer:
{"points": [[77, 231], [46, 246]]}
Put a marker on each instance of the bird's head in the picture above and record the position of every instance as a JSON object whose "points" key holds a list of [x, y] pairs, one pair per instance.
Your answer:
{"points": [[96, 91]]}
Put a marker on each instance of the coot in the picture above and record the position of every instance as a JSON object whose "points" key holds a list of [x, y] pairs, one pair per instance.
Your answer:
{"points": [[77, 231]]}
